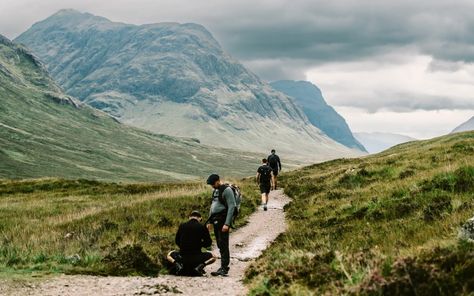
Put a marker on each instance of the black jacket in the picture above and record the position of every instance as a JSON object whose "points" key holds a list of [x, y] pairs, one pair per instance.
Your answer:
{"points": [[191, 237]]}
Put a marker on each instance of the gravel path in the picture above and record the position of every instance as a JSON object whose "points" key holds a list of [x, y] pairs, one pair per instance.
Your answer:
{"points": [[247, 243]]}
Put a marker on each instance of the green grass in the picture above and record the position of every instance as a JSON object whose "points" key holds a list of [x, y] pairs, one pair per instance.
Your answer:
{"points": [[385, 224], [91, 227]]}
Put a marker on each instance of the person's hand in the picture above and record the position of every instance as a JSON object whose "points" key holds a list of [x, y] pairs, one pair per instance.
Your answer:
{"points": [[225, 228], [209, 226]]}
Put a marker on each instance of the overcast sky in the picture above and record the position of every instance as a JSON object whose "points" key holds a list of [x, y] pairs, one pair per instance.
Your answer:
{"points": [[392, 66]]}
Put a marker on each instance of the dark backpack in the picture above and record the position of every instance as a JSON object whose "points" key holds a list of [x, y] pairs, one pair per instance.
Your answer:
{"points": [[265, 174], [273, 161], [237, 196]]}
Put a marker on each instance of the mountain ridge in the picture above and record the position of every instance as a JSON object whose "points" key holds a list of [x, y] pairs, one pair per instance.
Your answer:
{"points": [[45, 133], [323, 116], [173, 79], [466, 126], [378, 141]]}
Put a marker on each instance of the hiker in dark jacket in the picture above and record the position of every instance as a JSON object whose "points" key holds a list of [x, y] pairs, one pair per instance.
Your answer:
{"points": [[191, 237], [221, 215], [264, 178], [275, 164]]}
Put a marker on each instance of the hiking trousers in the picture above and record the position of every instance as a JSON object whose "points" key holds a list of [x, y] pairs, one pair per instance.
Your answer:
{"points": [[222, 239]]}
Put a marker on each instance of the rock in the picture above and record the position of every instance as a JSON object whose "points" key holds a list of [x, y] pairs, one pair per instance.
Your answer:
{"points": [[466, 231], [69, 235], [74, 258]]}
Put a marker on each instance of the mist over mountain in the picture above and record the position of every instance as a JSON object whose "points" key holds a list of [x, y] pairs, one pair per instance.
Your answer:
{"points": [[309, 97], [378, 141], [173, 79], [45, 133], [466, 126]]}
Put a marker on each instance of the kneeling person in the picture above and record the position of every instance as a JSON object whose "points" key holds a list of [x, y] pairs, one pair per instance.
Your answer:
{"points": [[191, 237]]}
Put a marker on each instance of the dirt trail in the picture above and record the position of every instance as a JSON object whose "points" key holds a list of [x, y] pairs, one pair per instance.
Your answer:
{"points": [[247, 243]]}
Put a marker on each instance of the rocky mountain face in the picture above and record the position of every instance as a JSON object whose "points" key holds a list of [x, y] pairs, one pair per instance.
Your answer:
{"points": [[466, 126], [173, 79], [309, 97], [44, 132], [378, 142]]}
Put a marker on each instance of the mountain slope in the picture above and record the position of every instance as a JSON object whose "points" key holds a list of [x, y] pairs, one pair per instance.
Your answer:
{"points": [[173, 79], [466, 126], [46, 133], [377, 142], [384, 224], [309, 97]]}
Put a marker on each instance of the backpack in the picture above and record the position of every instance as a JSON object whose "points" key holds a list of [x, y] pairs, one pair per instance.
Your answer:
{"points": [[273, 160], [237, 196], [265, 174]]}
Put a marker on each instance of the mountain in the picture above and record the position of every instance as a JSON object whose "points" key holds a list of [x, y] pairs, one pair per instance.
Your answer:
{"points": [[466, 126], [309, 97], [47, 133], [377, 142], [173, 79]]}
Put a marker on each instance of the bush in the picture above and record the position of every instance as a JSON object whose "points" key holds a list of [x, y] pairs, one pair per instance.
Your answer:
{"points": [[439, 205], [130, 260], [461, 180], [442, 271]]}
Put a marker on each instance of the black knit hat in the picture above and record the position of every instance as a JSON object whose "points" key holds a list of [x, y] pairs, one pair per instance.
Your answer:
{"points": [[213, 179]]}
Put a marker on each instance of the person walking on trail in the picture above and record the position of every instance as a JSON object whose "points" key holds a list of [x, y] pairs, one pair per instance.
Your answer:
{"points": [[191, 237], [264, 178], [220, 217], [275, 164]]}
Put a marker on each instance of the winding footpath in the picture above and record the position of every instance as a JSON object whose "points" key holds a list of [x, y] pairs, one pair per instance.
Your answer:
{"points": [[247, 243]]}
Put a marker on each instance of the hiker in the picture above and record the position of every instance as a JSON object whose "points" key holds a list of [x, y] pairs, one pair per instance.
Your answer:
{"points": [[264, 178], [275, 164], [221, 215], [191, 237]]}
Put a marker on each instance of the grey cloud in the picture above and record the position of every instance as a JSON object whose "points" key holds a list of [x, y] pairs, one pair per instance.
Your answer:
{"points": [[406, 102], [282, 39]]}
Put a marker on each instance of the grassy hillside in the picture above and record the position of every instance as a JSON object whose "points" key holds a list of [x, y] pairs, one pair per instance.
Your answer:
{"points": [[380, 225], [56, 225], [46, 133]]}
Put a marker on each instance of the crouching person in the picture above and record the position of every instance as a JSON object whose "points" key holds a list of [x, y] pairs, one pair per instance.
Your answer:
{"points": [[191, 237]]}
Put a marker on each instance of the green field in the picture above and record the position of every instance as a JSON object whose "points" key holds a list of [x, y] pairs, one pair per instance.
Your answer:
{"points": [[90, 227], [385, 224]]}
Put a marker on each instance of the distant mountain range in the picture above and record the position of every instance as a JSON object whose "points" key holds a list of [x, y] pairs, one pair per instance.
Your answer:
{"points": [[309, 97], [173, 79], [377, 142], [44, 132], [466, 126]]}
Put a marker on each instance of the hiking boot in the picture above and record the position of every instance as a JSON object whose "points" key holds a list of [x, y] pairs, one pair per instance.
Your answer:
{"points": [[220, 272], [178, 267], [265, 207], [200, 270]]}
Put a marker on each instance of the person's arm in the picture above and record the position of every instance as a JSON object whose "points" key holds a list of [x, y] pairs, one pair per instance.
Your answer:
{"points": [[177, 239], [279, 163], [206, 238], [228, 194], [258, 177]]}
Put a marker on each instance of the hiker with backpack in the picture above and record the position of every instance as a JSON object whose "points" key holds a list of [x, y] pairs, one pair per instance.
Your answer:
{"points": [[264, 178], [226, 199], [275, 164], [191, 237]]}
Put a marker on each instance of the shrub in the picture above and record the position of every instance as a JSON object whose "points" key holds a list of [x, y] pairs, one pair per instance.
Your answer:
{"points": [[439, 205]]}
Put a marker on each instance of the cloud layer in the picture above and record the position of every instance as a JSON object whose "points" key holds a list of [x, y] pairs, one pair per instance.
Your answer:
{"points": [[395, 55]]}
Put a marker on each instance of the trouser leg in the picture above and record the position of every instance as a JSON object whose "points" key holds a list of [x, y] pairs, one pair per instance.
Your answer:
{"points": [[222, 239]]}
